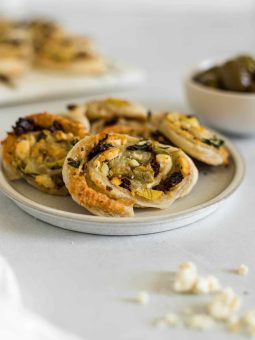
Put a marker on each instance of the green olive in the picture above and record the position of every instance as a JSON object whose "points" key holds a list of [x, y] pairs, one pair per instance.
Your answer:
{"points": [[234, 76], [208, 78], [252, 87], [248, 62]]}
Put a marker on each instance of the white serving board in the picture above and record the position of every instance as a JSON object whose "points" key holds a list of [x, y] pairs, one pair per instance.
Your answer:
{"points": [[42, 85], [215, 185]]}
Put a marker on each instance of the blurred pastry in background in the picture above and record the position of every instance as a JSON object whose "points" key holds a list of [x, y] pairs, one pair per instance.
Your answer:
{"points": [[42, 29], [16, 51], [68, 53], [45, 44]]}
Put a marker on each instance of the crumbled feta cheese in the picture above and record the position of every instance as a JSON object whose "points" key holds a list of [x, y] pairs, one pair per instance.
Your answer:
{"points": [[143, 297], [248, 318], [185, 277], [206, 285], [22, 149], [133, 163], [201, 286], [45, 181], [160, 323], [163, 159], [199, 321], [213, 283], [242, 270], [251, 330], [224, 305], [104, 169], [234, 324], [188, 266], [171, 319], [187, 280], [187, 311]]}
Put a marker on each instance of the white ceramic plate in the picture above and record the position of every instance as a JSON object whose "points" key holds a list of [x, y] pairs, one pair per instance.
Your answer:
{"points": [[38, 85], [214, 186]]}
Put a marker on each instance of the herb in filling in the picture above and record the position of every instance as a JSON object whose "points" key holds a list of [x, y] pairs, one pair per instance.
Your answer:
{"points": [[74, 141], [40, 136], [111, 121], [144, 145], [159, 137], [100, 147], [75, 163], [71, 107], [214, 141]]}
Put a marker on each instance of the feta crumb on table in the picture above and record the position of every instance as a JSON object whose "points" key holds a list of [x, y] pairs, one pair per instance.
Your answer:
{"points": [[143, 297], [171, 319], [185, 278], [206, 285], [224, 305], [242, 270], [199, 321]]}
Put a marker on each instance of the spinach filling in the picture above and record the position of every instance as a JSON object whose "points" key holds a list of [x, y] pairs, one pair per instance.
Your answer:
{"points": [[142, 146], [75, 163], [159, 137], [214, 141], [137, 171], [40, 155], [100, 147]]}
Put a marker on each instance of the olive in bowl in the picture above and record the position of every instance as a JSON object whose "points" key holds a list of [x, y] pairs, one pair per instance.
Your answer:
{"points": [[224, 94]]}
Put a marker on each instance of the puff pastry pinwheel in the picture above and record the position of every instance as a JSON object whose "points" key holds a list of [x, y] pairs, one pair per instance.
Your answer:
{"points": [[144, 131], [15, 52], [36, 149], [68, 53], [78, 113], [186, 132], [42, 29], [111, 111], [109, 174]]}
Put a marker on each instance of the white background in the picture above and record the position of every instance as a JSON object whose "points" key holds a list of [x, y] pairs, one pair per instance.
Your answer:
{"points": [[80, 282]]}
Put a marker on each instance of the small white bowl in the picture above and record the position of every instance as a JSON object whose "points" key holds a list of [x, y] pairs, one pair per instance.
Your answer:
{"points": [[228, 111]]}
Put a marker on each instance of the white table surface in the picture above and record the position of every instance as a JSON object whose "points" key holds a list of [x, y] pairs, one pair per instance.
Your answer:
{"points": [[82, 282]]}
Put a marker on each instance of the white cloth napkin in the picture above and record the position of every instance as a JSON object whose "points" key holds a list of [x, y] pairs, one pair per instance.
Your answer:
{"points": [[18, 323]]}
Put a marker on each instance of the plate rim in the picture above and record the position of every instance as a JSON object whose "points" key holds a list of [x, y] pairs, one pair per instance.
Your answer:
{"points": [[237, 179]]}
